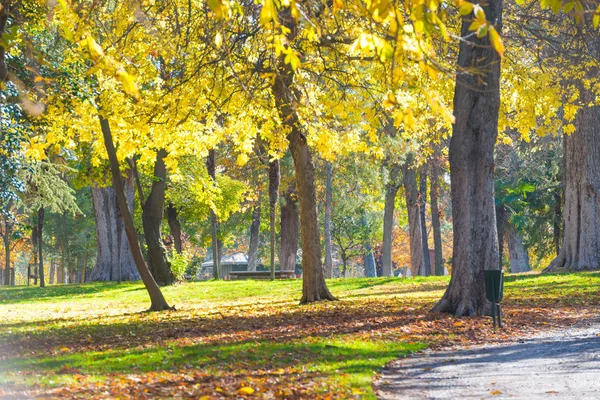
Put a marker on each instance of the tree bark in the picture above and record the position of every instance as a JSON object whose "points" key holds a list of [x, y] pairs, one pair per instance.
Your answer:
{"points": [[476, 105], [40, 242], [52, 271], [34, 248], [61, 270], [158, 302], [214, 222], [289, 228], [254, 236], [114, 260], [175, 226], [434, 183], [327, 223], [274, 180], [414, 223], [314, 287], [519, 259], [580, 249], [152, 217], [422, 216], [388, 218], [6, 239]]}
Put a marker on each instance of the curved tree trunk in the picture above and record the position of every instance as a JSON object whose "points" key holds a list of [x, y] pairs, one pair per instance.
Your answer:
{"points": [[290, 222], [414, 218], [114, 261], [327, 223], [175, 226], [254, 236], [580, 249], [158, 302], [274, 180], [476, 105], [434, 182], [152, 217], [314, 287], [519, 259], [422, 216]]}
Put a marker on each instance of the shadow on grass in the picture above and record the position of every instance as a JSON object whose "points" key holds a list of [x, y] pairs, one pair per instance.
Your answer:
{"points": [[23, 294]]}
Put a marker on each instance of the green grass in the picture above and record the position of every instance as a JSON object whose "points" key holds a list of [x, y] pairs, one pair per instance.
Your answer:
{"points": [[230, 334]]}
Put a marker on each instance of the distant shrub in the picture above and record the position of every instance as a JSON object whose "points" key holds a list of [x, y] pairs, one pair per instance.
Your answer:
{"points": [[179, 264]]}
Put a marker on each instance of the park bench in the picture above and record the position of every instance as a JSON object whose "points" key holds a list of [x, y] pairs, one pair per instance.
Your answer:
{"points": [[238, 275]]}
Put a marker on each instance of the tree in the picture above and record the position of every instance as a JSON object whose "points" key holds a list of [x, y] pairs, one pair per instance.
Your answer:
{"points": [[392, 187], [422, 214], [414, 217], [327, 223], [254, 235], [476, 106], [289, 229], [434, 179]]}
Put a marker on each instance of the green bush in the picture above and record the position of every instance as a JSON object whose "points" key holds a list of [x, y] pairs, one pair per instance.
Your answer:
{"points": [[179, 263]]}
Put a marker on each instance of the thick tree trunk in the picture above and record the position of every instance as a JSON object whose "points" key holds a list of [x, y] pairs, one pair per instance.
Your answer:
{"points": [[114, 261], [254, 236], [152, 217], [175, 226], [414, 218], [580, 249], [40, 242], [158, 301], [214, 222], [274, 180], [327, 223], [519, 259], [422, 216], [388, 228], [476, 105], [290, 222], [369, 262], [314, 287], [434, 190]]}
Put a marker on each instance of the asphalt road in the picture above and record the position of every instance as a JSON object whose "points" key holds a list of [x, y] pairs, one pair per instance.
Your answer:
{"points": [[563, 364]]}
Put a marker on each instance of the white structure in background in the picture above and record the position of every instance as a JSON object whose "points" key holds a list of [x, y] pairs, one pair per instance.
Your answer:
{"points": [[234, 262]]}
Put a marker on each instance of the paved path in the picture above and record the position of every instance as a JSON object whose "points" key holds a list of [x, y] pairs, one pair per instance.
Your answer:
{"points": [[558, 365]]}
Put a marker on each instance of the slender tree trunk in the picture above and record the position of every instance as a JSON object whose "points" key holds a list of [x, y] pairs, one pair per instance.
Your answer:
{"points": [[274, 180], [476, 105], [158, 301], [557, 223], [422, 216], [254, 236], [52, 271], [40, 231], [34, 248], [175, 226], [435, 217], [518, 256], [61, 271], [152, 217], [314, 287], [6, 239], [580, 249], [289, 228], [83, 264], [388, 228], [214, 222], [414, 223], [114, 259], [327, 224], [501, 221]]}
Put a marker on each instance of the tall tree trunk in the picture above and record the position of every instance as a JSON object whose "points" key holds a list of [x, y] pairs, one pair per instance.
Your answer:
{"points": [[157, 299], [501, 220], [434, 183], [214, 222], [369, 262], [40, 231], [52, 271], [152, 217], [580, 249], [34, 248], [114, 260], [61, 271], [289, 228], [83, 265], [274, 180], [254, 236], [175, 226], [414, 223], [557, 223], [476, 105], [6, 239], [327, 223], [388, 228], [422, 216], [519, 259], [314, 287]]}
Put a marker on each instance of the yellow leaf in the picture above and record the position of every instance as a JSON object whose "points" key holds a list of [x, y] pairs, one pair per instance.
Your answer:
{"points": [[466, 8], [64, 349], [218, 39], [496, 41], [246, 390], [495, 392], [459, 323]]}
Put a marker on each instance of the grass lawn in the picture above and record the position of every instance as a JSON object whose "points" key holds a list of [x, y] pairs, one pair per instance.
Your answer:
{"points": [[250, 338]]}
